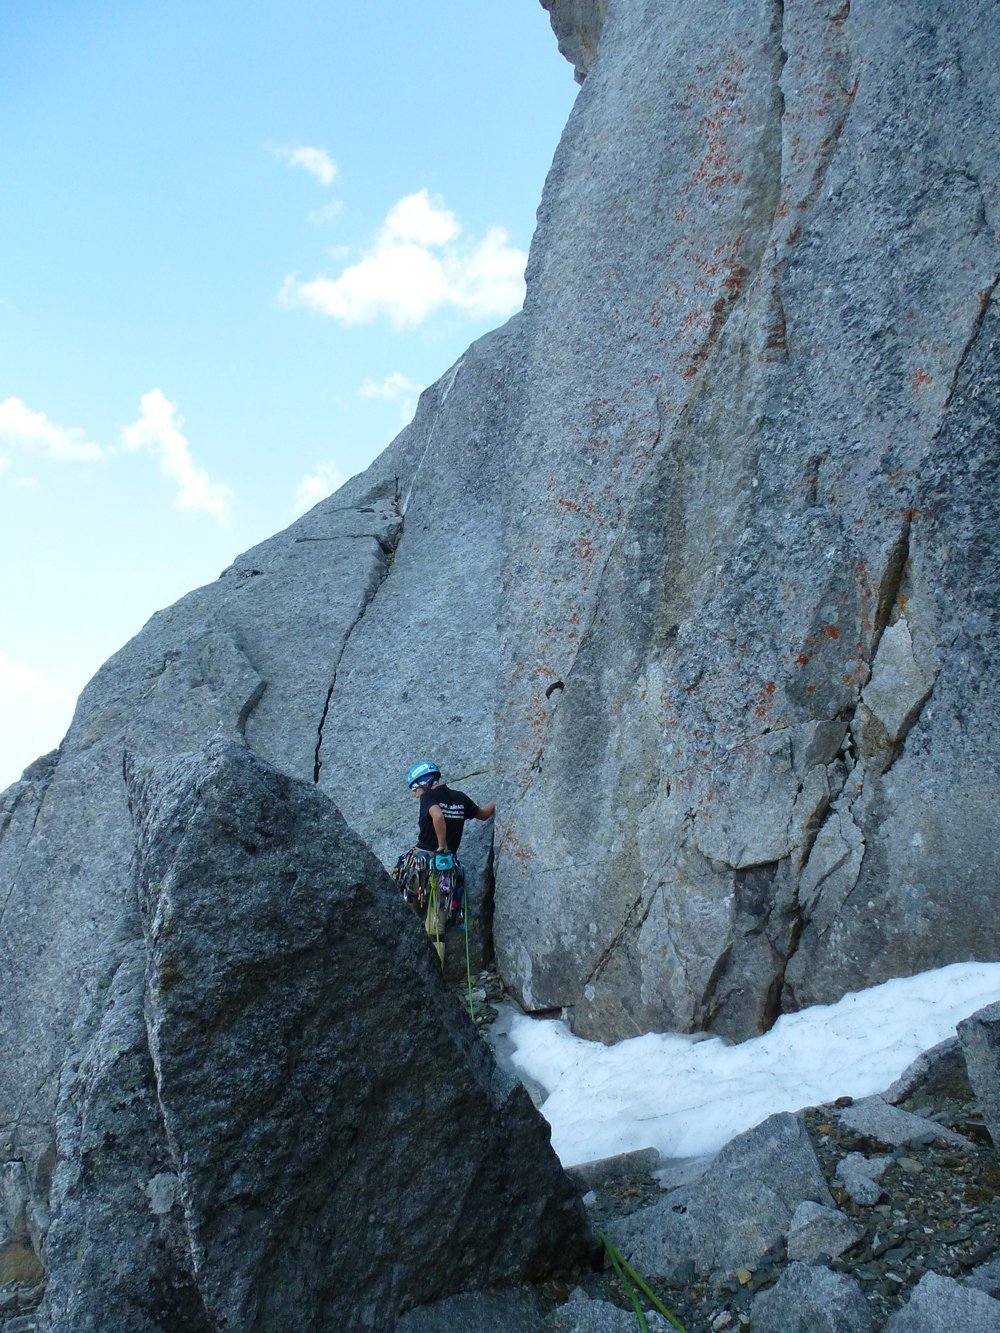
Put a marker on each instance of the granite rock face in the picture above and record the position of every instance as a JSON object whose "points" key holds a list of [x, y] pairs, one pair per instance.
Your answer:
{"points": [[276, 1115], [259, 656], [693, 564], [750, 582]]}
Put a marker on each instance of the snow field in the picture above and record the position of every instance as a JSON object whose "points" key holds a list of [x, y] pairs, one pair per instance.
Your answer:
{"points": [[689, 1095]]}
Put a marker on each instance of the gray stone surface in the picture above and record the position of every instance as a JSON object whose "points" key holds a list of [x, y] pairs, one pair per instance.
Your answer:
{"points": [[941, 1302], [514, 1311], [589, 1175], [14, 1195], [809, 1299], [758, 334], [860, 1175], [938, 1072], [815, 1230], [276, 1115], [740, 1208], [980, 1038], [585, 1316], [256, 655], [677, 1171], [876, 1119], [986, 1278]]}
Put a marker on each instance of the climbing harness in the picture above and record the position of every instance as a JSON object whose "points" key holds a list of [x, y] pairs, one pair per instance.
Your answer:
{"points": [[438, 893], [440, 896], [414, 874]]}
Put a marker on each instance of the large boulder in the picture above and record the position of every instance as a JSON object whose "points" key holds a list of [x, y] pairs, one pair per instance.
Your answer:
{"points": [[941, 1302], [741, 1208], [275, 1114], [809, 1299]]}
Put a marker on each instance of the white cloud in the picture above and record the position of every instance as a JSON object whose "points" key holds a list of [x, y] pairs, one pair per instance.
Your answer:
{"points": [[34, 712], [158, 429], [395, 388], [32, 432], [328, 213], [392, 387], [317, 486], [489, 281], [317, 161], [416, 267], [420, 219]]}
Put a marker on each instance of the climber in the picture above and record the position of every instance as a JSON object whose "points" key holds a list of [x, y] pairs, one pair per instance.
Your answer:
{"points": [[430, 875]]}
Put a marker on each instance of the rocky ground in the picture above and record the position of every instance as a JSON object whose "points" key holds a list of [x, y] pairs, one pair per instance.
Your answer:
{"points": [[930, 1204], [927, 1204], [938, 1211]]}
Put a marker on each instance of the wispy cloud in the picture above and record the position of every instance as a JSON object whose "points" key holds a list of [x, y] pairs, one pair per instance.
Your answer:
{"points": [[317, 486], [317, 161], [319, 217], [417, 266], [31, 706], [395, 388], [158, 429], [25, 431], [392, 387]]}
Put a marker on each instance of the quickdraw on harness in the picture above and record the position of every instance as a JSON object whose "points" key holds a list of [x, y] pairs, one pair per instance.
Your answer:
{"points": [[416, 878]]}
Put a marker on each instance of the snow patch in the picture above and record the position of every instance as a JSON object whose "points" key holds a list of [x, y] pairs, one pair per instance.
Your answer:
{"points": [[689, 1095]]}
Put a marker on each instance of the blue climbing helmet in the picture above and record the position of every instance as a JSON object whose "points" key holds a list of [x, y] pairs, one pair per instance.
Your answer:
{"points": [[422, 775]]}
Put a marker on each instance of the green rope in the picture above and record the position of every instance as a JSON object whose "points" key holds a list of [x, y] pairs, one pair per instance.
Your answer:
{"points": [[658, 1304], [628, 1276], [626, 1285], [468, 960], [433, 912]]}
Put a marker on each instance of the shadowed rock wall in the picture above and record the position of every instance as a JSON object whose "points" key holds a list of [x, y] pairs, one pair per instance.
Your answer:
{"points": [[274, 1115]]}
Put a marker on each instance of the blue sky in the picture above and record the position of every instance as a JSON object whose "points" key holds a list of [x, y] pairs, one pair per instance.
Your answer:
{"points": [[235, 241]]}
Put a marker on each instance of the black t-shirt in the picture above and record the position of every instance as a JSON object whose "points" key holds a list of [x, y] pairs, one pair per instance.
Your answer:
{"points": [[456, 808]]}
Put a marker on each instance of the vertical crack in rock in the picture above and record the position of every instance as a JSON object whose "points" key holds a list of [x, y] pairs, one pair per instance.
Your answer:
{"points": [[830, 143], [889, 586], [752, 266], [446, 389], [909, 722], [985, 298], [849, 894], [776, 994], [708, 1002], [251, 703], [609, 949], [388, 546]]}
